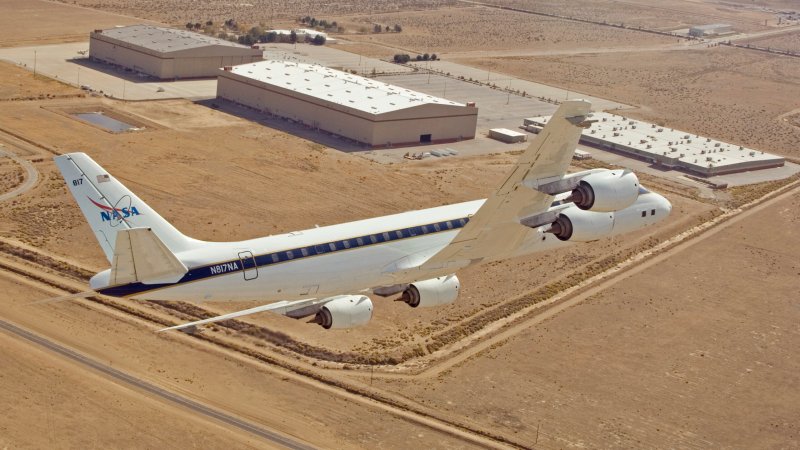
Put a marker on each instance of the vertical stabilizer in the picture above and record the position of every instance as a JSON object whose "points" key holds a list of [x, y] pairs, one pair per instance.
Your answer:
{"points": [[110, 207]]}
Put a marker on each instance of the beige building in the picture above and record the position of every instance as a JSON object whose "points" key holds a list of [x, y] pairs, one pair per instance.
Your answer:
{"points": [[167, 53], [358, 108]]}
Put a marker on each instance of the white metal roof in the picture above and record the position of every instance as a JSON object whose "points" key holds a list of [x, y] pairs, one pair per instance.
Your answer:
{"points": [[338, 87], [507, 132], [648, 138], [165, 40]]}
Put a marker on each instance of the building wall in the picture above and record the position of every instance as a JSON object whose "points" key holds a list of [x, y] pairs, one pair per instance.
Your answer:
{"points": [[164, 66], [404, 127]]}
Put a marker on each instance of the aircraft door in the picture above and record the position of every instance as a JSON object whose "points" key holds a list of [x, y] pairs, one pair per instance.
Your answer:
{"points": [[249, 267]]}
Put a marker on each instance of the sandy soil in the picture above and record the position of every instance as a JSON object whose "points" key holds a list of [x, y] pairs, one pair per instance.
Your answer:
{"points": [[178, 12], [49, 402], [252, 391], [17, 83], [32, 22], [663, 15], [11, 175], [695, 352], [731, 94], [789, 42], [479, 28]]}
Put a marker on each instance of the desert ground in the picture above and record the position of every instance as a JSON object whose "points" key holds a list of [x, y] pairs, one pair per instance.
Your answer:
{"points": [[642, 341], [789, 42]]}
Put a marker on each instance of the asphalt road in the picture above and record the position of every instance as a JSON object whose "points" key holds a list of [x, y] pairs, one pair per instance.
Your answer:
{"points": [[269, 435]]}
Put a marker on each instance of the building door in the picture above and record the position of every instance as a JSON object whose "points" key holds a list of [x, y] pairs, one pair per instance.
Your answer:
{"points": [[424, 138], [249, 267]]}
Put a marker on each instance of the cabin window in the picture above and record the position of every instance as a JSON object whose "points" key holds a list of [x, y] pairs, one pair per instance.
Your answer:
{"points": [[332, 246], [275, 258], [346, 244], [437, 227], [290, 254], [386, 237], [359, 241], [652, 212], [644, 213], [304, 251], [373, 239]]}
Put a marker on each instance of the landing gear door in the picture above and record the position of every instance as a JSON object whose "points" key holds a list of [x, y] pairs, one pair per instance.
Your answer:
{"points": [[249, 267]]}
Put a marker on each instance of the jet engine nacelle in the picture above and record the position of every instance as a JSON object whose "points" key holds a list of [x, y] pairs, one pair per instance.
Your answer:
{"points": [[606, 191], [345, 311], [577, 225], [435, 292]]}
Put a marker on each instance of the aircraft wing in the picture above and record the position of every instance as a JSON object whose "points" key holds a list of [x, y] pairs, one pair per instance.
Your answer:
{"points": [[286, 308], [494, 230]]}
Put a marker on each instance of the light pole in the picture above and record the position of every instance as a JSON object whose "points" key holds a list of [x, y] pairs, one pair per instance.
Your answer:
{"points": [[34, 64]]}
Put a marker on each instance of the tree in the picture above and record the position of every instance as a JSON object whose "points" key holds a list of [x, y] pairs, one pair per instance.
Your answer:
{"points": [[293, 37], [434, 57], [402, 58], [209, 23], [426, 57], [318, 40], [198, 25], [189, 25], [271, 36], [397, 28], [377, 28], [388, 29], [419, 57]]}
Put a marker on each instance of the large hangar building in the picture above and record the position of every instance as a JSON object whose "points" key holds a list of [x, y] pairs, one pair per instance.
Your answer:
{"points": [[167, 53], [364, 110]]}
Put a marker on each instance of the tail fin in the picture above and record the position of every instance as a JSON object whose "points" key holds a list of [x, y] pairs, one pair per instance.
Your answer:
{"points": [[110, 207]]}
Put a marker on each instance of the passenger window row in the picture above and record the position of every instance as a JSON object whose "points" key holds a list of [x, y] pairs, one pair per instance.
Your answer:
{"points": [[361, 241]]}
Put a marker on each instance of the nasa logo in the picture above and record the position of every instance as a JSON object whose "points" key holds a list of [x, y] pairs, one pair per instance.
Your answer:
{"points": [[108, 214]]}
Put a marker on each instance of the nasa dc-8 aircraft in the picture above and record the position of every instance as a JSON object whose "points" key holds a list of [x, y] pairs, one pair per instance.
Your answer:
{"points": [[325, 272]]}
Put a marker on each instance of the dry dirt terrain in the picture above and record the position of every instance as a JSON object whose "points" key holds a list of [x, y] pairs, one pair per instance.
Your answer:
{"points": [[481, 28], [734, 95], [790, 41], [178, 12], [17, 83], [663, 15], [34, 22], [697, 351]]}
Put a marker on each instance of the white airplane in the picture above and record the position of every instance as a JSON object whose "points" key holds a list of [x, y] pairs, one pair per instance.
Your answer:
{"points": [[326, 272]]}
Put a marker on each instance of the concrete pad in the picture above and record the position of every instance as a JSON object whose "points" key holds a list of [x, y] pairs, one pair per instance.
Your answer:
{"points": [[69, 63]]}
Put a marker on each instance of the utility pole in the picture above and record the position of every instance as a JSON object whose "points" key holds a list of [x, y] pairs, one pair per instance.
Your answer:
{"points": [[34, 64]]}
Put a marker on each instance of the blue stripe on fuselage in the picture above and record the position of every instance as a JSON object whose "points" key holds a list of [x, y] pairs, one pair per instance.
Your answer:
{"points": [[203, 272]]}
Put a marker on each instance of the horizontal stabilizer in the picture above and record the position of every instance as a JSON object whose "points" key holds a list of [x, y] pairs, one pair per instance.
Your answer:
{"points": [[140, 256]]}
